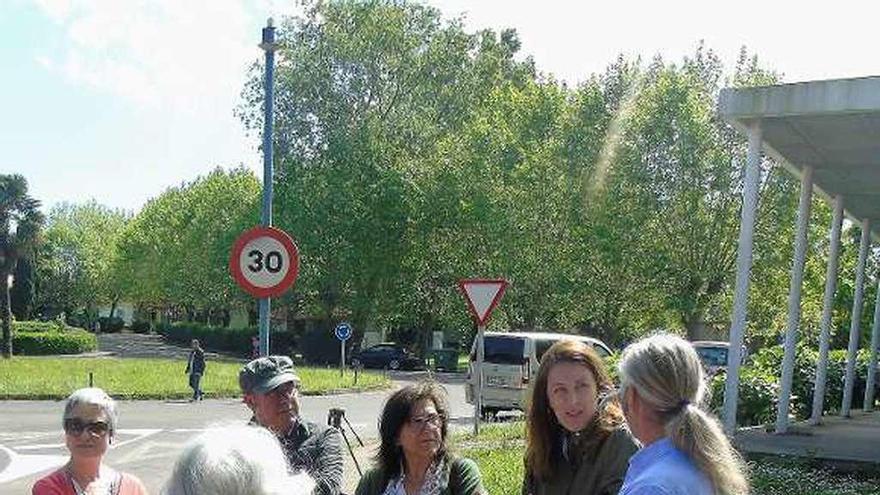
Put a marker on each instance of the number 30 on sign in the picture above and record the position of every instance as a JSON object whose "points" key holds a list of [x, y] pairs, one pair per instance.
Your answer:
{"points": [[264, 261]]}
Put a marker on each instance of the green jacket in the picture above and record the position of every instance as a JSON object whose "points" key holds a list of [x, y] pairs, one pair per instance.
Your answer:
{"points": [[594, 468], [463, 478]]}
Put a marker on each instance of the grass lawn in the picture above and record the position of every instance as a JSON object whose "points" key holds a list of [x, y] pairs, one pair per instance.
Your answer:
{"points": [[499, 453], [56, 378]]}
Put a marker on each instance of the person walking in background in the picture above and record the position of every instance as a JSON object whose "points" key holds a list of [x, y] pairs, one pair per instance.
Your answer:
{"points": [[235, 460], [195, 368], [271, 391], [684, 450], [413, 456], [576, 439], [89, 423]]}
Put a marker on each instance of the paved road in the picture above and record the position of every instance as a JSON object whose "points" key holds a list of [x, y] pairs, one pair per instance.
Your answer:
{"points": [[152, 433]]}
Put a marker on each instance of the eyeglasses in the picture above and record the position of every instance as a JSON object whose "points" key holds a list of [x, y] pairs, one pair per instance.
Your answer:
{"points": [[421, 422], [75, 426]]}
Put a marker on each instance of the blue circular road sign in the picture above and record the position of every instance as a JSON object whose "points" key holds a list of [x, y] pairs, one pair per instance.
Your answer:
{"points": [[343, 331]]}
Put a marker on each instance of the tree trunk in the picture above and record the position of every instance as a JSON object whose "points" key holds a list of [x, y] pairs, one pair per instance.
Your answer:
{"points": [[696, 327], [6, 313], [113, 307]]}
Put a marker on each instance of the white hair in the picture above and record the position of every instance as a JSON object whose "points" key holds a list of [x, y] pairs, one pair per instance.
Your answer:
{"points": [[666, 372], [235, 460], [93, 397]]}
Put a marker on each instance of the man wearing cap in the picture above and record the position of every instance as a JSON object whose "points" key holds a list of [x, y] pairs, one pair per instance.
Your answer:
{"points": [[271, 391]]}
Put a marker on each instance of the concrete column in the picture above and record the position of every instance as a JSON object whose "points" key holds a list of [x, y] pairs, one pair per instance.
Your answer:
{"points": [[743, 269], [827, 309], [855, 323], [794, 300], [872, 363]]}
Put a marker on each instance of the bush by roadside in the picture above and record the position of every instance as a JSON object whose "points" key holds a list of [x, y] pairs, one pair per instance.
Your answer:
{"points": [[232, 340], [40, 326], [40, 338], [111, 325], [48, 343]]}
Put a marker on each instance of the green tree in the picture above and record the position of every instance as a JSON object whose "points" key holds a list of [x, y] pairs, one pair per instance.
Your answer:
{"points": [[20, 222], [23, 294], [79, 252], [366, 95], [175, 252]]}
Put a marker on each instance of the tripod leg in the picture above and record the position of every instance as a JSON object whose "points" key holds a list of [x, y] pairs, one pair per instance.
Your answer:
{"points": [[353, 431], [351, 452]]}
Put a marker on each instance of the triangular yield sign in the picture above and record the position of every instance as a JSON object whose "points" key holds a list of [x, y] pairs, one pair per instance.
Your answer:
{"points": [[482, 296]]}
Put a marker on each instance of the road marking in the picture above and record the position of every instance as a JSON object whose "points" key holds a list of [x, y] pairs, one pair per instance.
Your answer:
{"points": [[24, 465]]}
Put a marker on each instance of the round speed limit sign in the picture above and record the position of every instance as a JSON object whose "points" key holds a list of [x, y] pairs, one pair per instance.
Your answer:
{"points": [[264, 261]]}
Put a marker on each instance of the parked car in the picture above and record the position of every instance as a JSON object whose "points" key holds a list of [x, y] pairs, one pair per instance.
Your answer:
{"points": [[387, 355], [714, 354], [510, 364]]}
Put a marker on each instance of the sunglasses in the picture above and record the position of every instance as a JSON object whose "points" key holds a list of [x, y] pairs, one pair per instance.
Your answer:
{"points": [[75, 426], [421, 422]]}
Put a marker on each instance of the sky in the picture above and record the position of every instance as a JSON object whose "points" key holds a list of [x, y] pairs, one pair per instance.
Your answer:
{"points": [[117, 100]]}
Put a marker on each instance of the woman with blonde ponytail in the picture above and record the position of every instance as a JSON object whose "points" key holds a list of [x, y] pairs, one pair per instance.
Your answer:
{"points": [[684, 451]]}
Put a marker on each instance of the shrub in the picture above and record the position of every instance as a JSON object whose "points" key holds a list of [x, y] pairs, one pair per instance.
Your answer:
{"points": [[38, 326], [141, 326], [45, 343], [234, 340], [759, 384], [111, 325]]}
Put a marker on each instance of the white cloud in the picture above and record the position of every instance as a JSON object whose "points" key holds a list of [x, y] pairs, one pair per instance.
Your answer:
{"points": [[188, 55]]}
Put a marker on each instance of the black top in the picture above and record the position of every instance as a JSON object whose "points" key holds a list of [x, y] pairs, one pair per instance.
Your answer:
{"points": [[196, 362]]}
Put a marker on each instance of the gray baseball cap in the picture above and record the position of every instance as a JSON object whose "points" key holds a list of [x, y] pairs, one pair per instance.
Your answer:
{"points": [[263, 374]]}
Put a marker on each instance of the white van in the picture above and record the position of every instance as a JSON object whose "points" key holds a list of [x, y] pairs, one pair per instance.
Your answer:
{"points": [[510, 364]]}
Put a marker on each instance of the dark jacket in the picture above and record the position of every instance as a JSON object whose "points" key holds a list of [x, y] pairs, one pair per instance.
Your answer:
{"points": [[462, 478], [196, 362], [593, 466], [317, 450]]}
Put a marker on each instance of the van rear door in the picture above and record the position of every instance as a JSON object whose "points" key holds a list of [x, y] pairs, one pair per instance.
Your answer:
{"points": [[503, 361]]}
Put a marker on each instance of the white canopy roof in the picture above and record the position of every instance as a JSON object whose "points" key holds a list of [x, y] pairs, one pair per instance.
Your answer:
{"points": [[832, 125]]}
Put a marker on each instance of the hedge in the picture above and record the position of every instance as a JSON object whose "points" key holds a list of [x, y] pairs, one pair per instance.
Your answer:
{"points": [[111, 325], [759, 384], [39, 326], [46, 343], [233, 340]]}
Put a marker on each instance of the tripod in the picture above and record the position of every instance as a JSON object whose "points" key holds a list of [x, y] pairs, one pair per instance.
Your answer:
{"points": [[335, 416]]}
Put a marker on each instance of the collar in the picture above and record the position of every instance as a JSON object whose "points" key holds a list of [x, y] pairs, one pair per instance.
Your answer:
{"points": [[647, 456]]}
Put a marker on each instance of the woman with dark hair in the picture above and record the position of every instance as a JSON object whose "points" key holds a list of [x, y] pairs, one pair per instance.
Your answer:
{"points": [[576, 440], [414, 457]]}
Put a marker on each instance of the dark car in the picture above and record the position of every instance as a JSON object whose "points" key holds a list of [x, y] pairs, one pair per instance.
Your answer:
{"points": [[387, 355]]}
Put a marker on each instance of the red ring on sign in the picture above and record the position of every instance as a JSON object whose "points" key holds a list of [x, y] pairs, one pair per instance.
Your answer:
{"points": [[293, 255]]}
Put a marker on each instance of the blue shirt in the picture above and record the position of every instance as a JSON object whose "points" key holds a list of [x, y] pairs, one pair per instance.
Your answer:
{"points": [[662, 469]]}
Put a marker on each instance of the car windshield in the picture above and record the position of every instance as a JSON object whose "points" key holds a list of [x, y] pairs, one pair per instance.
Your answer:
{"points": [[713, 356]]}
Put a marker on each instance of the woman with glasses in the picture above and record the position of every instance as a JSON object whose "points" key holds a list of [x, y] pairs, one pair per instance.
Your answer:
{"points": [[576, 440], [684, 450], [414, 456], [89, 425]]}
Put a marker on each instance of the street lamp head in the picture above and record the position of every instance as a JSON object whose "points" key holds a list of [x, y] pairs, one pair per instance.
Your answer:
{"points": [[9, 279]]}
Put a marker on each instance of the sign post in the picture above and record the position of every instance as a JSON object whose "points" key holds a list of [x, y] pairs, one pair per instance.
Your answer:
{"points": [[265, 263], [268, 45], [482, 296], [343, 333]]}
